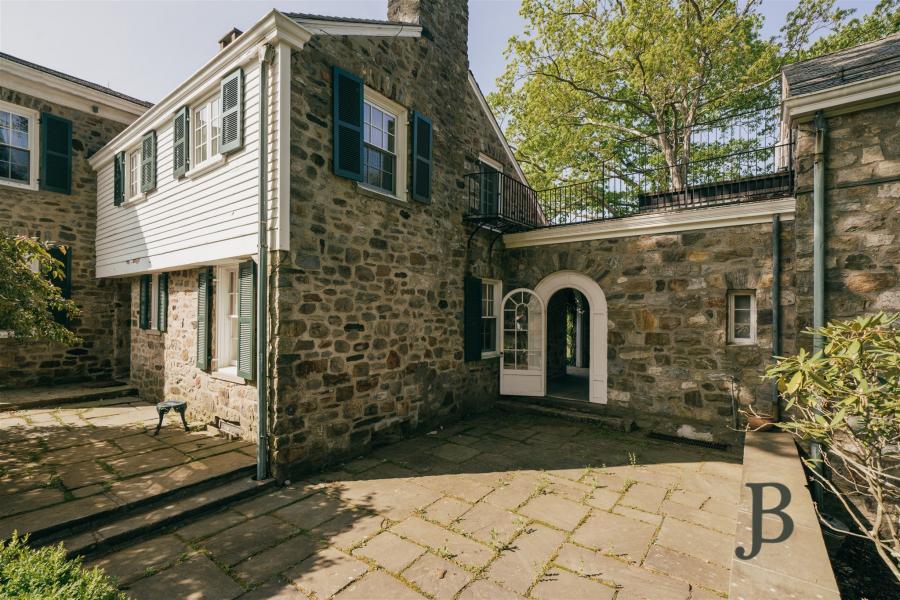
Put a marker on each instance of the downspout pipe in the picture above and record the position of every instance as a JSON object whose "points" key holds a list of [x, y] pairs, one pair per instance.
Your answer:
{"points": [[821, 126], [776, 308], [266, 55]]}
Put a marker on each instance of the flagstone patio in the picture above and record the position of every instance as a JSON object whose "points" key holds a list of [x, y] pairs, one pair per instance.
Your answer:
{"points": [[496, 507], [75, 461]]}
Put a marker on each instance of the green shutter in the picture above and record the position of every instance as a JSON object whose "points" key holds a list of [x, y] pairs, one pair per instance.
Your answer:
{"points": [[144, 315], [232, 124], [64, 255], [148, 162], [181, 135], [347, 108], [162, 302], [421, 158], [472, 319], [56, 154], [119, 179], [246, 358], [204, 282]]}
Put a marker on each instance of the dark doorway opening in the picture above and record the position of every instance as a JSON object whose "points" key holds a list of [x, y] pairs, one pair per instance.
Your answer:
{"points": [[568, 347]]}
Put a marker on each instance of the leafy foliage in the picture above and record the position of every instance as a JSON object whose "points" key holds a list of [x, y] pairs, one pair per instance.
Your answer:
{"points": [[45, 574], [29, 301], [847, 398], [842, 29]]}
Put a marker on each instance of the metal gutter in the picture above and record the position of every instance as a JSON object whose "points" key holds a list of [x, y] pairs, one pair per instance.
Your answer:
{"points": [[818, 267], [776, 307]]}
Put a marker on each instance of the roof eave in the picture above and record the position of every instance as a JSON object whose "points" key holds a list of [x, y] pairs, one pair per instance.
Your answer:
{"points": [[843, 98]]}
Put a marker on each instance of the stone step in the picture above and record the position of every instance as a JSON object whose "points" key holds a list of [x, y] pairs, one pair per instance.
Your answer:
{"points": [[149, 491], [130, 529], [534, 407], [39, 397]]}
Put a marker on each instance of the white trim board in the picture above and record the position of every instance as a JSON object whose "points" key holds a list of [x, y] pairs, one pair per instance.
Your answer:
{"points": [[701, 218], [338, 27], [843, 98], [496, 126]]}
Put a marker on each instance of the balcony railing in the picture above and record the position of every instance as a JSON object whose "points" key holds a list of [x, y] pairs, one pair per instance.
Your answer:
{"points": [[731, 161]]}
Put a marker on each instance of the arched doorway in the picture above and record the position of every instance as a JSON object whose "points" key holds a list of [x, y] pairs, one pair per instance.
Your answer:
{"points": [[568, 346], [524, 311]]}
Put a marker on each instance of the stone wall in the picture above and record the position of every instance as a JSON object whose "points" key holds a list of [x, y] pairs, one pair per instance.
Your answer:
{"points": [[70, 220], [164, 363], [668, 361], [862, 219], [369, 300]]}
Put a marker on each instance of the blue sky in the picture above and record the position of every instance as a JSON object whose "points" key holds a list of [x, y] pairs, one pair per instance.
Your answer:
{"points": [[146, 48]]}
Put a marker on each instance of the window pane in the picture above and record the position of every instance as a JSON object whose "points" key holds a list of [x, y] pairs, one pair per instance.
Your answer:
{"points": [[19, 122], [4, 118], [742, 331], [742, 316], [18, 172], [488, 335], [5, 135], [19, 139], [742, 301], [4, 169]]}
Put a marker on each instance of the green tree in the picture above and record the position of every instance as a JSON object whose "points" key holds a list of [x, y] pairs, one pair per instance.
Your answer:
{"points": [[29, 301], [818, 27]]}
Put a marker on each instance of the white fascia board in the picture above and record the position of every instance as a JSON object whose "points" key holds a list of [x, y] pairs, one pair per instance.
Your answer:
{"points": [[283, 185], [734, 215], [323, 27], [496, 126], [271, 29], [51, 88], [216, 253], [843, 99]]}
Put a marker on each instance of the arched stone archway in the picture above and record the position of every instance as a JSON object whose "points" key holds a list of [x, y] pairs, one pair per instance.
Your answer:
{"points": [[551, 284]]}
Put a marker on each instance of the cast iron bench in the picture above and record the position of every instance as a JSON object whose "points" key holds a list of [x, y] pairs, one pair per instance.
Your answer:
{"points": [[179, 406]]}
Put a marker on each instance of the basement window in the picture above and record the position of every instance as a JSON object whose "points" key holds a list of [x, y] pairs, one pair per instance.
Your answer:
{"points": [[742, 317]]}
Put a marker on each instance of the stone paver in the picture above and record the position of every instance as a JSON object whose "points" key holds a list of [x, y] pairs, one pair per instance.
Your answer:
{"points": [[509, 508], [196, 579], [133, 562], [437, 577]]}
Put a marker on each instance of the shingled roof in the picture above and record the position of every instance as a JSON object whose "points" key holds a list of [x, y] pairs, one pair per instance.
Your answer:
{"points": [[859, 63], [73, 79]]}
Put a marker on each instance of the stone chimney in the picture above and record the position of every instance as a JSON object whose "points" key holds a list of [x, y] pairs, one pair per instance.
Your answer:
{"points": [[444, 21], [229, 37]]}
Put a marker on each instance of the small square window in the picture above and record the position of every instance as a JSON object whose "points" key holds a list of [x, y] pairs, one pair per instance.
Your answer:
{"points": [[742, 317]]}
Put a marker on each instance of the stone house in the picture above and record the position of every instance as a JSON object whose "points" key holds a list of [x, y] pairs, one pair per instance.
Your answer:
{"points": [[50, 124], [406, 273]]}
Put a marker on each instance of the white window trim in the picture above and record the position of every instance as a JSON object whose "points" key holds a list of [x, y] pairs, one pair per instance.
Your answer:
{"points": [[33, 138], [498, 299], [484, 158], [401, 145], [221, 351], [213, 160], [137, 197], [730, 336]]}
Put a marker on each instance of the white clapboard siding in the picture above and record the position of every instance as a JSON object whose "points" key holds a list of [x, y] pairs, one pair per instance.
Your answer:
{"points": [[194, 220]]}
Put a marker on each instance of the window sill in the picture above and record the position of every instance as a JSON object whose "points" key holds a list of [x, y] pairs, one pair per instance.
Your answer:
{"points": [[743, 343], [487, 355], [135, 200], [229, 374], [152, 330], [206, 166], [20, 186], [374, 192]]}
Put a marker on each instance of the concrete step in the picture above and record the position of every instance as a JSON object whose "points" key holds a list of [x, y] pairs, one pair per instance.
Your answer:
{"points": [[39, 397], [139, 524], [535, 406], [69, 520]]}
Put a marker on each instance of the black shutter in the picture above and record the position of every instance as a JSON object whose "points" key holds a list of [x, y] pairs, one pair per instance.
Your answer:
{"points": [[119, 179], [232, 123], [162, 302], [246, 358], [347, 142], [64, 255], [56, 154], [148, 162], [472, 319], [421, 158], [181, 135], [144, 314], [204, 283]]}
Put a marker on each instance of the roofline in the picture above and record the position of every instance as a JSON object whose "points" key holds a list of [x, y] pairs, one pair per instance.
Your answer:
{"points": [[29, 78], [842, 99], [833, 52], [362, 27], [273, 27], [496, 126]]}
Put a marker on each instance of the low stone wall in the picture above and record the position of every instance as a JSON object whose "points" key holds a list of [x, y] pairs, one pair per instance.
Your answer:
{"points": [[797, 567]]}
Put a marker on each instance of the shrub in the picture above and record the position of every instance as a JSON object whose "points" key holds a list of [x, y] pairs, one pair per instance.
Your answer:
{"points": [[45, 574], [847, 399]]}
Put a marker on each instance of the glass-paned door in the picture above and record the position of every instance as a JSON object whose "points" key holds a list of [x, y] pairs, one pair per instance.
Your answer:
{"points": [[522, 359], [490, 190]]}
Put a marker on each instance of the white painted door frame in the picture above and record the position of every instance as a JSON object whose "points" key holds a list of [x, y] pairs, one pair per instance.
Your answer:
{"points": [[524, 382]]}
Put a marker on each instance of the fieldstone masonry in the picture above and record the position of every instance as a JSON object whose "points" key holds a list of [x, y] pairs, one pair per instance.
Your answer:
{"points": [[70, 220]]}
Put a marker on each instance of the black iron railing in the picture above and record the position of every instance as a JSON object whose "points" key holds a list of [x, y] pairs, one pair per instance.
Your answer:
{"points": [[498, 199]]}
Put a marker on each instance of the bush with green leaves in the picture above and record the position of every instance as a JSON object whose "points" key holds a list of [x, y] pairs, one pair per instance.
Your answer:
{"points": [[29, 301], [847, 398], [44, 574]]}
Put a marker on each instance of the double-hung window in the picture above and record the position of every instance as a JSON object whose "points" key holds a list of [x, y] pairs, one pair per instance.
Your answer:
{"points": [[205, 125], [227, 300], [490, 310], [133, 174], [380, 147], [742, 317], [18, 146]]}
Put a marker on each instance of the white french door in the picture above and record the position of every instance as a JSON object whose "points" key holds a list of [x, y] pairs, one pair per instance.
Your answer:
{"points": [[522, 355]]}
